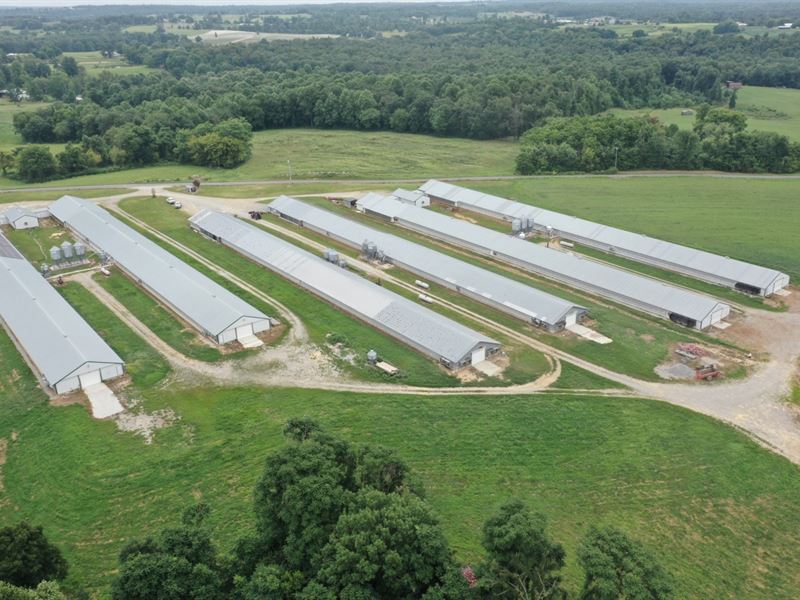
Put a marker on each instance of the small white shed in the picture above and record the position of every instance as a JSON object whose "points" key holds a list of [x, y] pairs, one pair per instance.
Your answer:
{"points": [[20, 218]]}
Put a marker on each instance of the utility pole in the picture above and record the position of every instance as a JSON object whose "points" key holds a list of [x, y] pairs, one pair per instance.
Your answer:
{"points": [[289, 164], [616, 154]]}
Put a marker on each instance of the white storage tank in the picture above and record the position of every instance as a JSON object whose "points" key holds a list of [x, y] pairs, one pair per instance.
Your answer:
{"points": [[79, 248], [55, 253]]}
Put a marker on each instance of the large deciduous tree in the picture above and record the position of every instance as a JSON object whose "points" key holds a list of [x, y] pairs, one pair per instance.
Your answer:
{"points": [[522, 561], [618, 568], [28, 558]]}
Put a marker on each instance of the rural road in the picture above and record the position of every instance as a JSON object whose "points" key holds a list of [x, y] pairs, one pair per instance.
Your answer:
{"points": [[755, 405], [623, 175]]}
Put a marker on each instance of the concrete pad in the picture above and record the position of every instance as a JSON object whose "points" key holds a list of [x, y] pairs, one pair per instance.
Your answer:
{"points": [[589, 334], [251, 341], [784, 292], [721, 325], [488, 368], [104, 402]]}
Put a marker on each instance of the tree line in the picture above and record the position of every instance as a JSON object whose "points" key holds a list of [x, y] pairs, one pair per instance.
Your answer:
{"points": [[334, 520], [719, 140]]}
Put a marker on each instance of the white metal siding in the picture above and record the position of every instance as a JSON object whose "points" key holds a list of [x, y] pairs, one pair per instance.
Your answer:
{"points": [[244, 331], [68, 385], [91, 378]]}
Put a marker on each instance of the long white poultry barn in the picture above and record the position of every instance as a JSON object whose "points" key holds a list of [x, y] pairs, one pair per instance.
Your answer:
{"points": [[512, 297], [637, 291], [210, 308], [65, 350], [721, 270], [451, 343]]}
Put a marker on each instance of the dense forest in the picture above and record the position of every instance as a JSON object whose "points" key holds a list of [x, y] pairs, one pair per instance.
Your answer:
{"points": [[454, 72]]}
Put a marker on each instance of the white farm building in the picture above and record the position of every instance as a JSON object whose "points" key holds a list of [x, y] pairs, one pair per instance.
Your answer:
{"points": [[210, 308], [721, 270], [432, 334], [636, 291], [502, 293], [20, 218], [63, 348]]}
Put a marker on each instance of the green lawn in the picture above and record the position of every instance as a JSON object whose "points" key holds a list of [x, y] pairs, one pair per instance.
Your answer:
{"points": [[711, 504], [767, 109], [750, 219], [271, 190], [160, 320], [95, 63], [326, 154], [11, 197], [35, 243], [320, 318]]}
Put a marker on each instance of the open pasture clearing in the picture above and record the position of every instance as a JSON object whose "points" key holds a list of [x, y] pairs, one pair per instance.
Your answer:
{"points": [[767, 109], [330, 154], [9, 139], [219, 37], [751, 219], [95, 63], [47, 197], [715, 507]]}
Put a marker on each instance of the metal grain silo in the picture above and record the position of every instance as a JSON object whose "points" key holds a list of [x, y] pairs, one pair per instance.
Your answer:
{"points": [[66, 249]]}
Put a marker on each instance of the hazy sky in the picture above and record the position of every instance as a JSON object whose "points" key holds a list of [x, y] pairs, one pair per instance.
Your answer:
{"points": [[35, 3]]}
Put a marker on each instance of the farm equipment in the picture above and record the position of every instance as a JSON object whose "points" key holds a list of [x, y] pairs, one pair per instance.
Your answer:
{"points": [[255, 215], [707, 373]]}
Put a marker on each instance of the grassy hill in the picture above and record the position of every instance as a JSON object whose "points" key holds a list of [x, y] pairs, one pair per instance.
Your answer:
{"points": [[716, 508]]}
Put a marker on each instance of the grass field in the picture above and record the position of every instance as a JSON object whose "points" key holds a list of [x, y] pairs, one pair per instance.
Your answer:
{"points": [[767, 109], [716, 508], [326, 154], [160, 320], [95, 63], [750, 219], [11, 197]]}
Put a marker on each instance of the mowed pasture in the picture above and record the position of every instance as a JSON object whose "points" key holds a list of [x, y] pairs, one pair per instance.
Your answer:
{"points": [[286, 154], [95, 63], [746, 218], [767, 109], [712, 505]]}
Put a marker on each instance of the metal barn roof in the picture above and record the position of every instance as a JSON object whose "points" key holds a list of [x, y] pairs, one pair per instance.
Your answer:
{"points": [[610, 281], [714, 265], [200, 299], [54, 336], [15, 212], [412, 196], [502, 290], [402, 317]]}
